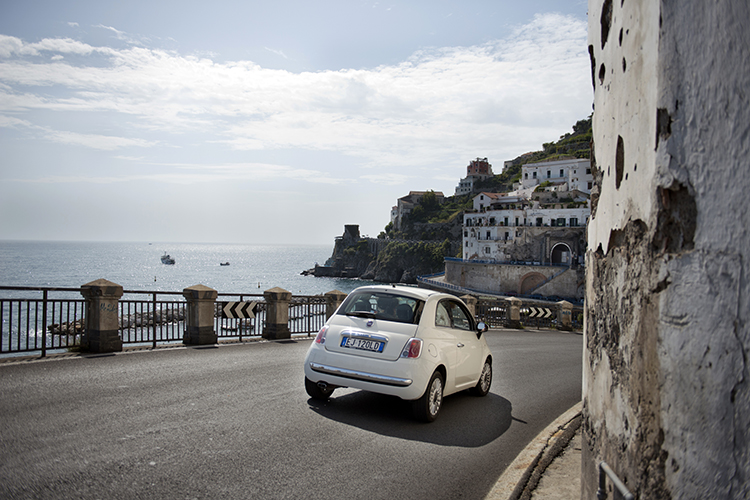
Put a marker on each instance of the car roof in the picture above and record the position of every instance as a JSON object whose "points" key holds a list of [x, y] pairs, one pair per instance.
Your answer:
{"points": [[414, 292]]}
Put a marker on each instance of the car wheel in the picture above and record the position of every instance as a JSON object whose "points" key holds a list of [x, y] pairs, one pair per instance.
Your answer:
{"points": [[315, 392], [485, 380], [428, 406]]}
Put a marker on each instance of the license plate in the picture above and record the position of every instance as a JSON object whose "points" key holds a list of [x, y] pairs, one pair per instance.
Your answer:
{"points": [[363, 344]]}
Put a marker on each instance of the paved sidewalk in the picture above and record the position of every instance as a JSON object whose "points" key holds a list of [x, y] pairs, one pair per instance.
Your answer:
{"points": [[550, 466]]}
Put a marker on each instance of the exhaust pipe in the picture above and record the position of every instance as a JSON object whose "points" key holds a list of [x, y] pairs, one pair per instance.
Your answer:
{"points": [[322, 385]]}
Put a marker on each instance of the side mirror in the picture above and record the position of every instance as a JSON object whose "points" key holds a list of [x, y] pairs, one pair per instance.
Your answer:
{"points": [[481, 328]]}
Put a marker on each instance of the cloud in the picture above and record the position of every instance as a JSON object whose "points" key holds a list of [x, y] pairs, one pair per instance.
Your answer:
{"points": [[96, 141], [441, 106], [277, 52], [186, 174]]}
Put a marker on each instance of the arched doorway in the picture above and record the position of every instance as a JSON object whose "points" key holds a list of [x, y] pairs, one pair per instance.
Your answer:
{"points": [[561, 255]]}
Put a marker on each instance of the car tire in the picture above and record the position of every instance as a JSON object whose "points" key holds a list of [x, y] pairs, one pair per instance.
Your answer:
{"points": [[315, 392], [485, 380], [427, 407]]}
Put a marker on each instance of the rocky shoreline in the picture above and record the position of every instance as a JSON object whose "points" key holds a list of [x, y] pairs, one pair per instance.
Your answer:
{"points": [[383, 260]]}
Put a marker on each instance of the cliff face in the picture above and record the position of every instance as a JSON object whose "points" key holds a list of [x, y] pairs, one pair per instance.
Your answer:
{"points": [[402, 262], [387, 261]]}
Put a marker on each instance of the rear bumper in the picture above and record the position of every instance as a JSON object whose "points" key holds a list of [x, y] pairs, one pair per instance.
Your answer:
{"points": [[360, 375], [404, 378]]}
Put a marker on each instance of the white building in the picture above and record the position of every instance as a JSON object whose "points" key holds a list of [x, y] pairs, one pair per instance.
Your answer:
{"points": [[563, 175], [497, 233]]}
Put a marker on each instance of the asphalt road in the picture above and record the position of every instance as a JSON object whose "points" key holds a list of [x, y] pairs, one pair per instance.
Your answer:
{"points": [[235, 422]]}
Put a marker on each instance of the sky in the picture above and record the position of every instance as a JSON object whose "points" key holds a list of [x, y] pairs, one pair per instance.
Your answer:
{"points": [[268, 122]]}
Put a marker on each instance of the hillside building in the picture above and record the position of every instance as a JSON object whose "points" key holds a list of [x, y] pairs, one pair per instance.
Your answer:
{"points": [[477, 170], [562, 175], [407, 203]]}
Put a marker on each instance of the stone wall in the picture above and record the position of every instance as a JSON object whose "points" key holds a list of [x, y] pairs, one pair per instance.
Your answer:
{"points": [[666, 382], [515, 279]]}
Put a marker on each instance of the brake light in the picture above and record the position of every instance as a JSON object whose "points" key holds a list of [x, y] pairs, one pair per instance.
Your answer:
{"points": [[320, 338], [412, 349]]}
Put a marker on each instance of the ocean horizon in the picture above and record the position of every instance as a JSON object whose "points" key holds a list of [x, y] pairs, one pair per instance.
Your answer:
{"points": [[252, 269]]}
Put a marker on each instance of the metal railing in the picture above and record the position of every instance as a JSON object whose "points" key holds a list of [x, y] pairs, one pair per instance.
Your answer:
{"points": [[604, 471], [492, 312], [55, 319]]}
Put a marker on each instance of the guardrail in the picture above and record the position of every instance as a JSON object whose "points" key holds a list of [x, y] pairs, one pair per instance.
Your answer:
{"points": [[506, 262], [56, 318], [604, 471], [42, 319]]}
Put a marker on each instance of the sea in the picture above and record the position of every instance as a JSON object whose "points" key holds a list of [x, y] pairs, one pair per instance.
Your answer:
{"points": [[135, 266]]}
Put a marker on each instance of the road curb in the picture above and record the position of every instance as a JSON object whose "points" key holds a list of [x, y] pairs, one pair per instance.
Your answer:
{"points": [[539, 452]]}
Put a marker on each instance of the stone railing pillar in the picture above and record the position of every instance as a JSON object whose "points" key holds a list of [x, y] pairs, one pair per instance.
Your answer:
{"points": [[199, 320], [513, 313], [334, 298], [471, 303], [277, 314], [102, 332], [565, 315]]}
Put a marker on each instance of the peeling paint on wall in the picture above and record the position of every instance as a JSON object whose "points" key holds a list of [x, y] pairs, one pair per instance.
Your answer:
{"points": [[666, 378]]}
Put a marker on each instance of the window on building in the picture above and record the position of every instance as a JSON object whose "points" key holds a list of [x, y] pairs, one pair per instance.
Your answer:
{"points": [[507, 235], [539, 222], [487, 250], [573, 221], [561, 221], [562, 173], [588, 171], [526, 175], [534, 173], [549, 174], [516, 221], [506, 221], [589, 186], [492, 221], [489, 235]]}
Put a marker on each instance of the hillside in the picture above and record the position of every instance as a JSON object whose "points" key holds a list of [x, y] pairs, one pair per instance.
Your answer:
{"points": [[575, 145], [433, 221], [433, 231]]}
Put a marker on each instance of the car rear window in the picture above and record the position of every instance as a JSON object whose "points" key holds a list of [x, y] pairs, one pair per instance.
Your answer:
{"points": [[384, 306]]}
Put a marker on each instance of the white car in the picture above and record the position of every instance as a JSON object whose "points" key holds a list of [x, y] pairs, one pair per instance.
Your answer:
{"points": [[417, 344]]}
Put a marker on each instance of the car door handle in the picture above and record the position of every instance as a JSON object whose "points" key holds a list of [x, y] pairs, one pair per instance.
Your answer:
{"points": [[460, 345]]}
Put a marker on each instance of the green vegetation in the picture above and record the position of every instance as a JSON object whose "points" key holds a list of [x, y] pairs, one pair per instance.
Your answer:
{"points": [[430, 211], [429, 255]]}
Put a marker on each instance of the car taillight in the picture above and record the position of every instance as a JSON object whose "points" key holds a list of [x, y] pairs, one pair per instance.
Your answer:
{"points": [[320, 338], [412, 349]]}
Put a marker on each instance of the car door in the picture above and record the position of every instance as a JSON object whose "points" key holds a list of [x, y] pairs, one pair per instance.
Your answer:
{"points": [[466, 352]]}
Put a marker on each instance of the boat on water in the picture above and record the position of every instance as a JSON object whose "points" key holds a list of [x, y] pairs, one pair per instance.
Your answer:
{"points": [[223, 263], [166, 259]]}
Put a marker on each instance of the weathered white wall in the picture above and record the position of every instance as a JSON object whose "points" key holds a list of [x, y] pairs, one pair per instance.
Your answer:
{"points": [[666, 380]]}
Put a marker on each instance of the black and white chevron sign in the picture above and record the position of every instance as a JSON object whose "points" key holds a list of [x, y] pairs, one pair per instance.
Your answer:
{"points": [[539, 312], [241, 310]]}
